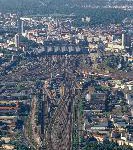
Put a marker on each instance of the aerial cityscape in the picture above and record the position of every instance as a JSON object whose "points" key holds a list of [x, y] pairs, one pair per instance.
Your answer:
{"points": [[66, 75]]}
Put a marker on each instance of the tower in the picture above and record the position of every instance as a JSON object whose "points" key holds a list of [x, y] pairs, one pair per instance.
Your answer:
{"points": [[17, 40], [113, 37], [123, 41], [22, 27]]}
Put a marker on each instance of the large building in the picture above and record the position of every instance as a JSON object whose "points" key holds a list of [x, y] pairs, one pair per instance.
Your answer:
{"points": [[17, 40]]}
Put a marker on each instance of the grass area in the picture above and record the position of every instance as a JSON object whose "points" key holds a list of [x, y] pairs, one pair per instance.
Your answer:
{"points": [[29, 132], [77, 123]]}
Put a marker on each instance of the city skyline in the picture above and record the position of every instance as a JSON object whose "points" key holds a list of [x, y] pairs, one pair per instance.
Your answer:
{"points": [[66, 75]]}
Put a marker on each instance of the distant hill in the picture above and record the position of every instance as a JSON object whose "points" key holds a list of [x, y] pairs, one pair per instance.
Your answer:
{"points": [[14, 4], [96, 9]]}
